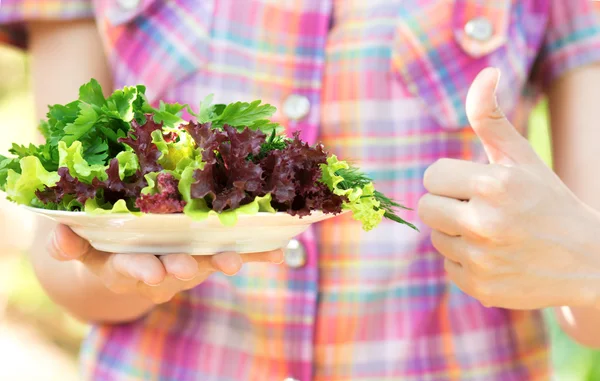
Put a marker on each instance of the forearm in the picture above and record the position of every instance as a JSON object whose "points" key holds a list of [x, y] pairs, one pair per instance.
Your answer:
{"points": [[573, 106], [81, 293]]}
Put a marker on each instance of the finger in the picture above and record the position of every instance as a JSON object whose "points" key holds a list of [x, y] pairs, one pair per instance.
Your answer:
{"points": [[273, 256], [457, 275], [65, 245], [502, 142], [159, 294], [452, 248], [442, 213], [229, 263], [181, 266], [170, 287], [146, 268], [454, 178]]}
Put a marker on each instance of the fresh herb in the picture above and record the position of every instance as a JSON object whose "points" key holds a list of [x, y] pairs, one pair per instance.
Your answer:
{"points": [[274, 142], [253, 115], [354, 178]]}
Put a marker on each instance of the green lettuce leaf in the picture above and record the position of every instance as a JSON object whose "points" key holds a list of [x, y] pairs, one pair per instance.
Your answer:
{"points": [[329, 174], [151, 187], [174, 152], [93, 207], [186, 179], [21, 187], [72, 158], [362, 203], [128, 164], [365, 207], [69, 204], [367, 204], [7, 164], [199, 211]]}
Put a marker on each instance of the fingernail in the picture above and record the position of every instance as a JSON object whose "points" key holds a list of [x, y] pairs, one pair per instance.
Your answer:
{"points": [[496, 87], [233, 274], [280, 261], [56, 246], [228, 262], [142, 275], [184, 279], [497, 79]]}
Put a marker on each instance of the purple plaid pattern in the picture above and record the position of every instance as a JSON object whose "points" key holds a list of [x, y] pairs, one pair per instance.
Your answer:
{"points": [[387, 82]]}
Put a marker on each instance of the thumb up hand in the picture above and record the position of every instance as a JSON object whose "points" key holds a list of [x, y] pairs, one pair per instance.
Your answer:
{"points": [[510, 231], [501, 141]]}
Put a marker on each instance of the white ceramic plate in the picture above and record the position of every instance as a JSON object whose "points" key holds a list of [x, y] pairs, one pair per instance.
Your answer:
{"points": [[177, 233]]}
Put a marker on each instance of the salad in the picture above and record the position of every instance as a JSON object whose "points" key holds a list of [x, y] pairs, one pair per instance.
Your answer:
{"points": [[122, 155]]}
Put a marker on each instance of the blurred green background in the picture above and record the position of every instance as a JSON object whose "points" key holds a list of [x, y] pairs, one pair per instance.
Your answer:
{"points": [[23, 305]]}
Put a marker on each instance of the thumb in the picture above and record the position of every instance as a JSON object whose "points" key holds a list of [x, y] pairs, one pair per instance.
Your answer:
{"points": [[65, 245], [501, 141]]}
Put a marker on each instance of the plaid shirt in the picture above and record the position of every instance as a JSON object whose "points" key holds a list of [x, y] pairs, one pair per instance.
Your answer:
{"points": [[386, 81]]}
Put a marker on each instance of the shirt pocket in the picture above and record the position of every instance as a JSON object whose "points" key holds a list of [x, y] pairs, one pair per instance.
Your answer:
{"points": [[441, 45], [157, 43]]}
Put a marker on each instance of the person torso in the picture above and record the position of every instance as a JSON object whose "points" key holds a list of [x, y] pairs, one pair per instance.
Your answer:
{"points": [[380, 83]]}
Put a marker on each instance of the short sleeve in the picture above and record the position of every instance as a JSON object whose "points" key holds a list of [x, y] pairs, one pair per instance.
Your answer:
{"points": [[14, 13], [572, 40]]}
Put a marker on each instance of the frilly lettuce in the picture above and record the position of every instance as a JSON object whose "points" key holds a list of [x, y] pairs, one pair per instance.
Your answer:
{"points": [[21, 187], [361, 201], [173, 152], [198, 210], [128, 164], [72, 158], [120, 146], [151, 188], [7, 164], [92, 207], [151, 180]]}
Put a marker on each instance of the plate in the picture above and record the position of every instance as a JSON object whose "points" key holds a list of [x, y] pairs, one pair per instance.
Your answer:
{"points": [[178, 233]]}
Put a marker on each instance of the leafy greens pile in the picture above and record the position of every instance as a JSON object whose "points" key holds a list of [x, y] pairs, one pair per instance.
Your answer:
{"points": [[120, 154]]}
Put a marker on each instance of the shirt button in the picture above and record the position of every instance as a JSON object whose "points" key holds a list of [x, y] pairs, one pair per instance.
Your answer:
{"points": [[480, 29], [295, 254], [296, 106], [128, 5]]}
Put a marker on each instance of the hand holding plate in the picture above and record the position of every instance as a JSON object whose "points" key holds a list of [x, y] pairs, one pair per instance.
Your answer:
{"points": [[157, 278]]}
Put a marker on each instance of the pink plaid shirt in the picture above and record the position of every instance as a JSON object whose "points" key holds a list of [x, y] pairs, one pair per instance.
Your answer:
{"points": [[379, 82]]}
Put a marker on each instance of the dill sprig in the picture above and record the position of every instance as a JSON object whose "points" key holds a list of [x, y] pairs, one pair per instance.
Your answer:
{"points": [[272, 143], [354, 178]]}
